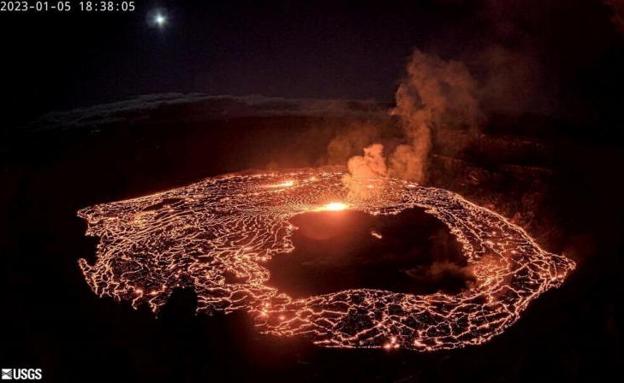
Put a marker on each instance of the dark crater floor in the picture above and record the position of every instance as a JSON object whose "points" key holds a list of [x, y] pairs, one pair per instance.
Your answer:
{"points": [[411, 252]]}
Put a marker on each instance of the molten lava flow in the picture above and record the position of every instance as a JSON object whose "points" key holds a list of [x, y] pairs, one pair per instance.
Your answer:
{"points": [[215, 236]]}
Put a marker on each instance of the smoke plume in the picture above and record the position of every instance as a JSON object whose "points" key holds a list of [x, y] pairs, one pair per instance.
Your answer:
{"points": [[435, 96], [351, 140], [366, 173]]}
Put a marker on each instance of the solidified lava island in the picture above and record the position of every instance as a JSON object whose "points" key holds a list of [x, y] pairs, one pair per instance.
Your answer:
{"points": [[216, 237]]}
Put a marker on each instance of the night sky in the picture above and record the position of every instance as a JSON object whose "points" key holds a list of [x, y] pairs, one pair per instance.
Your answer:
{"points": [[335, 49]]}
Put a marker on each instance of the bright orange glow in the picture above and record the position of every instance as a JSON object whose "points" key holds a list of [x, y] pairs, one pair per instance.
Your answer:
{"points": [[333, 206], [283, 184], [216, 236]]}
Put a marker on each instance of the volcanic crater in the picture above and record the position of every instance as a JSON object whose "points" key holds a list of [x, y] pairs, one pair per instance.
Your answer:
{"points": [[410, 252]]}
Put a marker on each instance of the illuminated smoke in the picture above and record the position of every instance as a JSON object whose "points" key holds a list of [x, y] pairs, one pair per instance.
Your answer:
{"points": [[351, 140], [367, 173], [435, 97]]}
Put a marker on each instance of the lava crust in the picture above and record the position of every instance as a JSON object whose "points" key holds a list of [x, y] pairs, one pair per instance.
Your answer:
{"points": [[217, 235]]}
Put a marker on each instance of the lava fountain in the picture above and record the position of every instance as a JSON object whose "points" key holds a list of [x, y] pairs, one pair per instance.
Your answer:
{"points": [[201, 235]]}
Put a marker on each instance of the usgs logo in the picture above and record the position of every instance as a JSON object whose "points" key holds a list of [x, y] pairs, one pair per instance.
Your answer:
{"points": [[21, 374]]}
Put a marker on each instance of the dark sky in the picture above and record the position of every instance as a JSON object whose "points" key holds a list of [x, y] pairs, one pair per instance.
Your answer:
{"points": [[334, 49]]}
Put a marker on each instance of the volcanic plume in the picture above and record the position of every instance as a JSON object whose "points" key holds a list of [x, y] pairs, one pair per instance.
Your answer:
{"points": [[435, 97], [367, 173]]}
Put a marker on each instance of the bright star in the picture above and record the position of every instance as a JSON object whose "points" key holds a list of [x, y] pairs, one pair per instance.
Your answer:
{"points": [[160, 20]]}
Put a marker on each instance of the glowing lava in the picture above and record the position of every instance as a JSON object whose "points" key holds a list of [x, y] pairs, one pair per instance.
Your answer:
{"points": [[333, 206], [215, 236], [279, 185], [376, 235]]}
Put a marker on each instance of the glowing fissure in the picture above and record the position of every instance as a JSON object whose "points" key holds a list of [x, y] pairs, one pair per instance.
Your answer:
{"points": [[199, 235]]}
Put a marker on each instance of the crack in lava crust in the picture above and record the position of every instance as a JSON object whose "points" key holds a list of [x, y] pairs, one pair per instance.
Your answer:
{"points": [[215, 236]]}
